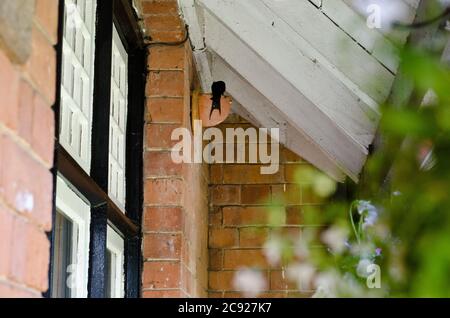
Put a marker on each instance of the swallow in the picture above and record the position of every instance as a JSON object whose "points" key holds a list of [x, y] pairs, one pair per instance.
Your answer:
{"points": [[218, 90]]}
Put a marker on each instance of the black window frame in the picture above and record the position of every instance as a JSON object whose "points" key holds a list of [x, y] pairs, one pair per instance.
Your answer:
{"points": [[94, 187]]}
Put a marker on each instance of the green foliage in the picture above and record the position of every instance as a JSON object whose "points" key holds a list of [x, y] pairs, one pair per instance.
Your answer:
{"points": [[404, 226]]}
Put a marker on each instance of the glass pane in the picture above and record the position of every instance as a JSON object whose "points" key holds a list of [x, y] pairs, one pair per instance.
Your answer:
{"points": [[118, 118], [62, 257], [77, 79], [109, 275], [115, 265]]}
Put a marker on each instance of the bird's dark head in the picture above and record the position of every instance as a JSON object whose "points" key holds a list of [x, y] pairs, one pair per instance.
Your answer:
{"points": [[218, 88]]}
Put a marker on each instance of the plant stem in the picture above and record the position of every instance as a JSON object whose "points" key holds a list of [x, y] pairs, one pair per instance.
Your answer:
{"points": [[353, 222]]}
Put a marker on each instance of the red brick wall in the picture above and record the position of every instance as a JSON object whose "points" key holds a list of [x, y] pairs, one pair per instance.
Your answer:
{"points": [[238, 219], [27, 93], [176, 208]]}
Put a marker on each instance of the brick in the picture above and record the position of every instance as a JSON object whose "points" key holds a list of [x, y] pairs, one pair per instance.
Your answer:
{"points": [[20, 242], [163, 192], [165, 110], [163, 219], [167, 35], [221, 280], [162, 246], [167, 57], [249, 174], [216, 174], [274, 295], [242, 216], [154, 7], [213, 294], [215, 216], [222, 237], [6, 230], [38, 258], [163, 23], [287, 194], [309, 197], [291, 170], [300, 294], [159, 136], [46, 14], [166, 84], [253, 237], [233, 295], [16, 21], [215, 259], [290, 157], [12, 291], [292, 233], [26, 185], [225, 194], [43, 130], [162, 294], [294, 215], [255, 194], [26, 110], [9, 92], [235, 259], [161, 275], [279, 281], [160, 164], [41, 66]]}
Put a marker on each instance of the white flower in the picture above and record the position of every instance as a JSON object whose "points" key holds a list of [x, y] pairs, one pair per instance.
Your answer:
{"points": [[301, 249], [370, 219], [302, 274], [361, 269], [326, 285], [363, 206], [335, 237], [250, 282], [363, 250], [371, 213], [272, 250]]}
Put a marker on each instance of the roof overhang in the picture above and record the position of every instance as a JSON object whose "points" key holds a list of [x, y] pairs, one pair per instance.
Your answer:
{"points": [[311, 68]]}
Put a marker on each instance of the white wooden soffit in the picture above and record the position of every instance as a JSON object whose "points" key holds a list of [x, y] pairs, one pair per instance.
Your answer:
{"points": [[328, 85]]}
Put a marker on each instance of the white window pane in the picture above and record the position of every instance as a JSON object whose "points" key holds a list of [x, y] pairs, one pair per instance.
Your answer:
{"points": [[118, 118], [115, 260], [62, 257], [77, 79], [71, 257]]}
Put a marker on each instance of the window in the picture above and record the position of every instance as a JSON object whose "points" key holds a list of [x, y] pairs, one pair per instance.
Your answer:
{"points": [[71, 243], [115, 264], [98, 201], [77, 79], [119, 105]]}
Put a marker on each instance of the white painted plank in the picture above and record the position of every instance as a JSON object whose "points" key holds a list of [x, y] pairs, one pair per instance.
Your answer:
{"points": [[348, 154], [403, 10], [319, 38], [317, 3], [355, 25], [315, 83], [262, 113]]}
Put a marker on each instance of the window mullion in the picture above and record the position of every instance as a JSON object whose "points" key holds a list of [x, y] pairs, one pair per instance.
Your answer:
{"points": [[102, 94]]}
